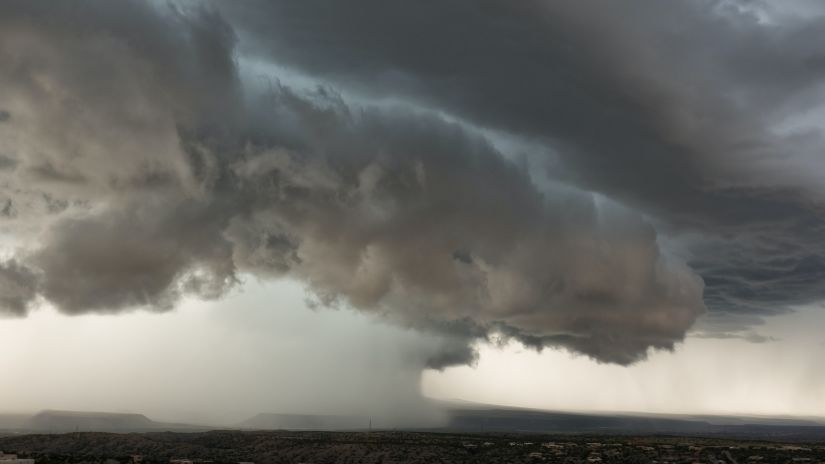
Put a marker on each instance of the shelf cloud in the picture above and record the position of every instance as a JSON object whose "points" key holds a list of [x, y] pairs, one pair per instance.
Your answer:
{"points": [[143, 161]]}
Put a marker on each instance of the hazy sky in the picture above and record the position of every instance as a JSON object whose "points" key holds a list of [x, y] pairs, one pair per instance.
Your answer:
{"points": [[262, 349], [212, 209]]}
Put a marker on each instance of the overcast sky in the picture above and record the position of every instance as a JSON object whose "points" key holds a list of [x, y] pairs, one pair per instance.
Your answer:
{"points": [[212, 209]]}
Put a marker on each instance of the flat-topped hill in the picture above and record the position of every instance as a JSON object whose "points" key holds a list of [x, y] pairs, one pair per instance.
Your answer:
{"points": [[68, 421]]}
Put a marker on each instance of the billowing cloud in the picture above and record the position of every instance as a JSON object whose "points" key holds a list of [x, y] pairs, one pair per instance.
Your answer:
{"points": [[140, 161], [414, 218], [18, 288], [145, 166], [705, 115], [131, 256]]}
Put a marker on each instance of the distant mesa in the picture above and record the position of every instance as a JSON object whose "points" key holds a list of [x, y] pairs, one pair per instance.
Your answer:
{"points": [[51, 421], [70, 421]]}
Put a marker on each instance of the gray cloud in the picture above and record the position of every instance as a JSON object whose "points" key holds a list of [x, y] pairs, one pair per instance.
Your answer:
{"points": [[7, 163], [116, 205], [395, 213], [749, 336], [176, 176], [136, 255], [149, 166], [18, 288], [673, 108], [673, 86]]}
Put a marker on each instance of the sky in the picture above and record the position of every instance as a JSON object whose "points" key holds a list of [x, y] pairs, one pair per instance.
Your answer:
{"points": [[213, 209]]}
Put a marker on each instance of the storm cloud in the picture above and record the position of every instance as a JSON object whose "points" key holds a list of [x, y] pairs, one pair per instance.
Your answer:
{"points": [[147, 162], [692, 112], [18, 288]]}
